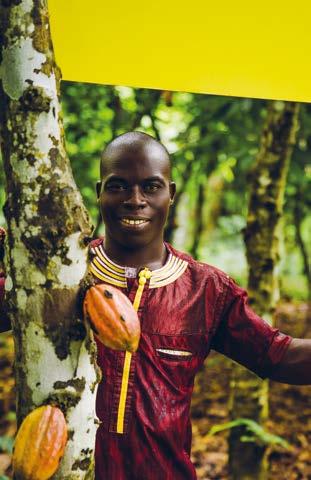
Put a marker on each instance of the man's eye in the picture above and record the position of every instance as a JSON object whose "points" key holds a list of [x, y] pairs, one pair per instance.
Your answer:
{"points": [[152, 187], [115, 187]]}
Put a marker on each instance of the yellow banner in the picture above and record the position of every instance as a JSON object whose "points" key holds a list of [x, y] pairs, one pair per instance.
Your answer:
{"points": [[240, 48]]}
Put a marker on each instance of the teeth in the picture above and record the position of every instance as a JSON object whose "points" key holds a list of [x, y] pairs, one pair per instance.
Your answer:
{"points": [[133, 222]]}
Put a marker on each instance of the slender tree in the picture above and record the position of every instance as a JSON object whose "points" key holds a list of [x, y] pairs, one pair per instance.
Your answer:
{"points": [[297, 220], [262, 239], [48, 228], [198, 222]]}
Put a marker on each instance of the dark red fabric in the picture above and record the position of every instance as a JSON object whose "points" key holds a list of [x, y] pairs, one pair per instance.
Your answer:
{"points": [[202, 309]]}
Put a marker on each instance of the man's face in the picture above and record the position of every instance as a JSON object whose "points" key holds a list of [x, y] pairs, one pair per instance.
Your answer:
{"points": [[135, 195]]}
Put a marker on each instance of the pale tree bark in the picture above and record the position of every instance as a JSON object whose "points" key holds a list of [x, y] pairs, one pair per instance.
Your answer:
{"points": [[262, 241], [47, 231]]}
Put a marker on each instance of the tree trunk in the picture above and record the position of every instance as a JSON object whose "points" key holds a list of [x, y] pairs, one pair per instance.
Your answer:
{"points": [[172, 214], [298, 219], [214, 190], [47, 229], [198, 222], [267, 186], [208, 164]]}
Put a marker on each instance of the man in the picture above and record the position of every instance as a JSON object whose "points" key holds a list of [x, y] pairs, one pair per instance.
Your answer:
{"points": [[185, 308]]}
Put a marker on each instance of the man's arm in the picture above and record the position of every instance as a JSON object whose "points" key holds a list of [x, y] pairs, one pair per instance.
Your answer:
{"points": [[295, 366], [246, 338]]}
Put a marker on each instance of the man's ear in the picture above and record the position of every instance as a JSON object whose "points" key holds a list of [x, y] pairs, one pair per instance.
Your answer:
{"points": [[172, 190], [98, 188]]}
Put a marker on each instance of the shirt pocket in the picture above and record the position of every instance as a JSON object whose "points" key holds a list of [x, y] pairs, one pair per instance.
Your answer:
{"points": [[174, 355], [178, 357]]}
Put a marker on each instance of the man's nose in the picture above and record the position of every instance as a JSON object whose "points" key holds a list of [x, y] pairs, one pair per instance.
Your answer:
{"points": [[136, 198]]}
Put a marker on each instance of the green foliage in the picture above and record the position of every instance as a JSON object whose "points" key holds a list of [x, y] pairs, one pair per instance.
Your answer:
{"points": [[209, 137], [10, 416], [6, 444], [254, 432]]}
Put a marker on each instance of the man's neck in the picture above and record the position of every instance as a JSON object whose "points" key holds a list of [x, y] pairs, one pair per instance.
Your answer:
{"points": [[151, 256]]}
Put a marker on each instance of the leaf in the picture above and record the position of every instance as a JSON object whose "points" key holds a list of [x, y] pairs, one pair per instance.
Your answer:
{"points": [[255, 432], [6, 444], [10, 416]]}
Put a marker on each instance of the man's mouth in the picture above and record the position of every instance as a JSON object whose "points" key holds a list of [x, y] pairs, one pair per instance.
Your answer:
{"points": [[133, 222]]}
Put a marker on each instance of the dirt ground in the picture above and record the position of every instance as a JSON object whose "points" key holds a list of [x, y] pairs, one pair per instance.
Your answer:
{"points": [[290, 411]]}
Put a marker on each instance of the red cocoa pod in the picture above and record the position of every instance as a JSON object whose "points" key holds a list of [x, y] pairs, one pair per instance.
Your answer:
{"points": [[39, 444], [112, 317]]}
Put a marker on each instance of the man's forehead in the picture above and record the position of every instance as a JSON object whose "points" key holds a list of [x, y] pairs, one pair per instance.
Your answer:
{"points": [[124, 158]]}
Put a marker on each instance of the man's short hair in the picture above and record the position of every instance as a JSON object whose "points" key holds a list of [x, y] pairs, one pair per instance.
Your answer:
{"points": [[133, 140]]}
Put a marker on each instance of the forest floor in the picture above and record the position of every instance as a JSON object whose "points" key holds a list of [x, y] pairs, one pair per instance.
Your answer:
{"points": [[290, 411]]}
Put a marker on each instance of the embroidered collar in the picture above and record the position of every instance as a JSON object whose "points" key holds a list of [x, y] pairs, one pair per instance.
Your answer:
{"points": [[108, 271]]}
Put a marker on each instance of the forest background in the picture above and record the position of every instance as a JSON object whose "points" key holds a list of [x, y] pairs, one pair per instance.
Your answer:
{"points": [[214, 142]]}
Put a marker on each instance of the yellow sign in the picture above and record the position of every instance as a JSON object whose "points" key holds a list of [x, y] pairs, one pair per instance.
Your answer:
{"points": [[240, 48]]}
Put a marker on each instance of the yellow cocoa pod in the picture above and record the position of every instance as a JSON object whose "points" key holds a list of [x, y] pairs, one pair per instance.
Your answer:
{"points": [[39, 444], [112, 317]]}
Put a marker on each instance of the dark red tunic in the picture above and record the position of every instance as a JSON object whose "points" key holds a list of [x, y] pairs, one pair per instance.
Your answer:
{"points": [[186, 308]]}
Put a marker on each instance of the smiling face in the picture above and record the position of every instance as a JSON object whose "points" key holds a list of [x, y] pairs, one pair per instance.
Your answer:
{"points": [[135, 193]]}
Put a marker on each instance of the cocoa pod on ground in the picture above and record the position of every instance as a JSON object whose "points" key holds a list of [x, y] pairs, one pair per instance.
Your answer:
{"points": [[39, 444], [112, 317]]}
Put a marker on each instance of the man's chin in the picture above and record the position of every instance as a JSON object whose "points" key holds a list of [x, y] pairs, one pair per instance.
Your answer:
{"points": [[133, 241], [127, 239]]}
